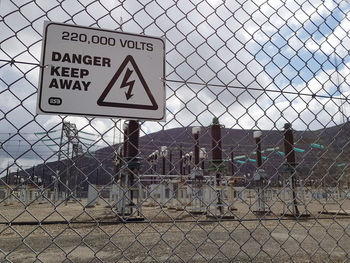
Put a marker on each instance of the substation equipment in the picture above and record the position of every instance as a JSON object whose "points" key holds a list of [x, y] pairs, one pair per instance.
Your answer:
{"points": [[259, 178], [128, 182], [196, 181], [218, 183]]}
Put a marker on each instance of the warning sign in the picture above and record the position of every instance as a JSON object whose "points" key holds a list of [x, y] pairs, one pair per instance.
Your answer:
{"points": [[128, 89], [102, 73]]}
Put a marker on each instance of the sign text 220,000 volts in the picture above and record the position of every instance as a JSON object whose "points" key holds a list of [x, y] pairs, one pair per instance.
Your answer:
{"points": [[102, 40]]}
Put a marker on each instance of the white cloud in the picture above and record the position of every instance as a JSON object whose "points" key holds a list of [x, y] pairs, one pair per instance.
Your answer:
{"points": [[212, 42]]}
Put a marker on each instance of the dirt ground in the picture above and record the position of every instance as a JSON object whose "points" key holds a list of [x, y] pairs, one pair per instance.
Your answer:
{"points": [[166, 235]]}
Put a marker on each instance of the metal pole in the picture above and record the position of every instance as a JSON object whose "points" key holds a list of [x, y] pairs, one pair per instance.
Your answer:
{"points": [[163, 165], [216, 142], [97, 175], [163, 153], [7, 175], [261, 198], [189, 165], [232, 166], [43, 179], [132, 152], [32, 175], [67, 176], [170, 161], [125, 143], [152, 165], [75, 175], [217, 157], [196, 131], [123, 175], [181, 161], [59, 159], [117, 166], [216, 147], [290, 155], [202, 157], [258, 151]]}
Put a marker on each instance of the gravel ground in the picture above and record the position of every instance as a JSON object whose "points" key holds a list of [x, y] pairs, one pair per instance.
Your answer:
{"points": [[247, 239]]}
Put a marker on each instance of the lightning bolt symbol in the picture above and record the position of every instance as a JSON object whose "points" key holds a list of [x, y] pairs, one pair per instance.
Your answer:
{"points": [[126, 83]]}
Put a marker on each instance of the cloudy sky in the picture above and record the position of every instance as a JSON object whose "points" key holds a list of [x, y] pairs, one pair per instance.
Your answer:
{"points": [[242, 61]]}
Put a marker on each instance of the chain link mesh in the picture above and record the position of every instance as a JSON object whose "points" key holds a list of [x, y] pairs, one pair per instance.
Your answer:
{"points": [[251, 164]]}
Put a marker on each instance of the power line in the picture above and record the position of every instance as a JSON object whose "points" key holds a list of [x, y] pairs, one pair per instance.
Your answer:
{"points": [[207, 84], [256, 89]]}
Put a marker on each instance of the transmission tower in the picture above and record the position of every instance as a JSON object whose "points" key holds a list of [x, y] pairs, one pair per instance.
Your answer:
{"points": [[70, 137]]}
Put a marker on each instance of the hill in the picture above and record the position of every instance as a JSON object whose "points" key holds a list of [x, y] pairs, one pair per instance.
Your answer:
{"points": [[313, 163]]}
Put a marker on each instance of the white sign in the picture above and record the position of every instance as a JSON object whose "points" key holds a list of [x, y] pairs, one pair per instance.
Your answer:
{"points": [[95, 72]]}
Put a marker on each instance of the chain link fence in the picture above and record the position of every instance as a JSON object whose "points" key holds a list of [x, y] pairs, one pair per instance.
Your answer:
{"points": [[251, 164]]}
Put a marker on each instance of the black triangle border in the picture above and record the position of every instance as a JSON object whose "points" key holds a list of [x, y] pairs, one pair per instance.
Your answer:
{"points": [[104, 94]]}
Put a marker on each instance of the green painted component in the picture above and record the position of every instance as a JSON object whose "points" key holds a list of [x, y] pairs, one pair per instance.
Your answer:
{"points": [[251, 160], [272, 149], [217, 161], [216, 121], [49, 139], [318, 146], [241, 162], [239, 157], [50, 145], [280, 153], [264, 157], [87, 139], [45, 132], [341, 164], [217, 165], [299, 150]]}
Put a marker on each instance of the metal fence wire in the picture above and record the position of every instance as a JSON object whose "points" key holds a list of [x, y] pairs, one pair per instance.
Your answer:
{"points": [[251, 164]]}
